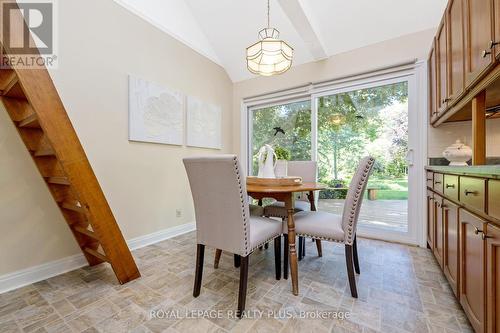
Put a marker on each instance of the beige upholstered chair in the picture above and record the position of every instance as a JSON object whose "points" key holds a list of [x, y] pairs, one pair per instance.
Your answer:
{"points": [[342, 229], [223, 219], [308, 170]]}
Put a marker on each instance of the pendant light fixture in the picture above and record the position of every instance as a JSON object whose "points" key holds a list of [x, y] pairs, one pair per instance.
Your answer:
{"points": [[270, 55]]}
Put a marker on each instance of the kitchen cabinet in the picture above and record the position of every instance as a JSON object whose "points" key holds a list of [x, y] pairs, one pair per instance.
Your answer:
{"points": [[496, 21], [456, 60], [433, 84], [479, 39], [473, 269], [463, 232], [442, 68], [430, 219], [451, 262], [494, 199], [438, 230], [493, 278]]}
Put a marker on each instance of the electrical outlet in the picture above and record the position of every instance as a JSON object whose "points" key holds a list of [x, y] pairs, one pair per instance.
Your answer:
{"points": [[178, 213]]}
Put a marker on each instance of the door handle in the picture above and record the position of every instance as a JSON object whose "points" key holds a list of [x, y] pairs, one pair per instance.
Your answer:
{"points": [[409, 157]]}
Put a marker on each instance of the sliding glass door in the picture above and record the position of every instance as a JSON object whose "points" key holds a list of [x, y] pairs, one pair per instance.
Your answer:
{"points": [[337, 128], [353, 124]]}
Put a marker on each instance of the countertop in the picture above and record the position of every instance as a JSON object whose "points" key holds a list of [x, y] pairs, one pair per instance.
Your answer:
{"points": [[485, 171]]}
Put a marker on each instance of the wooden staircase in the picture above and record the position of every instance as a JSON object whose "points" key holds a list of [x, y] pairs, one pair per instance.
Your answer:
{"points": [[33, 104]]}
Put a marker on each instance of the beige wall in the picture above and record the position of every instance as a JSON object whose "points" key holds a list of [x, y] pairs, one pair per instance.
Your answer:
{"points": [[371, 57], [100, 44], [446, 134]]}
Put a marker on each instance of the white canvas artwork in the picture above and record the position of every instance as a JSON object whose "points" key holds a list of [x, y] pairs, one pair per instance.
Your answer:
{"points": [[156, 113], [204, 122]]}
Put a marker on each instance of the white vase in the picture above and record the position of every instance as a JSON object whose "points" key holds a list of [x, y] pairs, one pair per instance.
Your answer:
{"points": [[281, 168], [458, 154]]}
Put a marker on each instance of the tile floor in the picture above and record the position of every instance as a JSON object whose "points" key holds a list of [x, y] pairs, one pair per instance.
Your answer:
{"points": [[401, 289]]}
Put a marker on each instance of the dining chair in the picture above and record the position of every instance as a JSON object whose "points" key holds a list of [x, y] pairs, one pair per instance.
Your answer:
{"points": [[340, 228], [308, 171], [223, 218], [255, 210]]}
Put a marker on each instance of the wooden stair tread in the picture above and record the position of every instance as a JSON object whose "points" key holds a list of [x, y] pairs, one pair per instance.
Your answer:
{"points": [[58, 180], [44, 152], [10, 82], [30, 121], [74, 206], [85, 232], [96, 254]]}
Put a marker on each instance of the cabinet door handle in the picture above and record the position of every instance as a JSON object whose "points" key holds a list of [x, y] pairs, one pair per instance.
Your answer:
{"points": [[493, 44], [429, 179], [437, 183], [450, 185], [467, 192], [477, 231], [486, 53], [484, 236]]}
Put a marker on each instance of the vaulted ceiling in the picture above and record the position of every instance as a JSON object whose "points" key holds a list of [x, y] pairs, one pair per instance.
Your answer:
{"points": [[222, 29]]}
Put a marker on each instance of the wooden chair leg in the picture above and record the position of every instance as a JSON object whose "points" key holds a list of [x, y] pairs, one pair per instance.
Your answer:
{"points": [[355, 255], [237, 261], [200, 255], [277, 257], [301, 247], [285, 256], [217, 258], [242, 295], [350, 270], [318, 246]]}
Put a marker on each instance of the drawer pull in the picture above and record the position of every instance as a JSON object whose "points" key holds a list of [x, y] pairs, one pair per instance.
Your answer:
{"points": [[437, 183], [429, 179], [467, 192], [486, 53], [478, 231], [493, 44], [450, 185], [484, 236]]}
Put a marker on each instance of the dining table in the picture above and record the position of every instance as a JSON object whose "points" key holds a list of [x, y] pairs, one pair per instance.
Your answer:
{"points": [[286, 194]]}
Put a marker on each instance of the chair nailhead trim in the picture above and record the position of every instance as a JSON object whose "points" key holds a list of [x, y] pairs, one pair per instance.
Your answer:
{"points": [[357, 195], [242, 199]]}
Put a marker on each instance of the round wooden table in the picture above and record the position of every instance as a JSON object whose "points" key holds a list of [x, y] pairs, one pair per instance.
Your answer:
{"points": [[286, 194]]}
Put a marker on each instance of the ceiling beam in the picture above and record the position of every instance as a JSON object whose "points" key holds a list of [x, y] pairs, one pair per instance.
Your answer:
{"points": [[302, 24]]}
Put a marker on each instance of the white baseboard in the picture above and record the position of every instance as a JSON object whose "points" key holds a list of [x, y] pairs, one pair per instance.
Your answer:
{"points": [[155, 237], [34, 274]]}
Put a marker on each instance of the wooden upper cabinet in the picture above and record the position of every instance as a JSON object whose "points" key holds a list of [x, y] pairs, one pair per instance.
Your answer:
{"points": [[473, 269], [496, 19], [456, 59], [493, 278], [478, 38], [442, 67], [433, 85]]}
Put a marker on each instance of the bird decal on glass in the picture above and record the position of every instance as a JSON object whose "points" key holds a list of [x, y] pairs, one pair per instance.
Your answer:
{"points": [[278, 130]]}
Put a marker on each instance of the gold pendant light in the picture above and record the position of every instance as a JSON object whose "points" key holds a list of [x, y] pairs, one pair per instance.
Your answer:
{"points": [[270, 55]]}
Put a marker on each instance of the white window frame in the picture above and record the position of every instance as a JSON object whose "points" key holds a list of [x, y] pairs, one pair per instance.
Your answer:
{"points": [[415, 73]]}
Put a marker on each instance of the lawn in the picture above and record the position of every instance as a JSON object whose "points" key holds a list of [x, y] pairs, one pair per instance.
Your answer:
{"points": [[390, 188]]}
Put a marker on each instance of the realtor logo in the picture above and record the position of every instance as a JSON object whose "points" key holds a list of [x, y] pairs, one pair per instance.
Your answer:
{"points": [[28, 34]]}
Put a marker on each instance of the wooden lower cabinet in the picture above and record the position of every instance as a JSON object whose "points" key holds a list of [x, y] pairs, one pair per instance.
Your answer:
{"points": [[439, 230], [451, 260], [493, 278], [473, 269], [430, 219]]}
